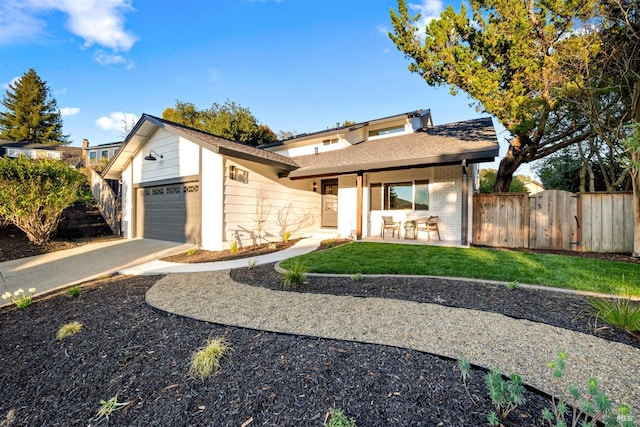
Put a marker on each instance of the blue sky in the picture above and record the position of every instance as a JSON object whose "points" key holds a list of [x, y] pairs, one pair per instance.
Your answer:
{"points": [[298, 65]]}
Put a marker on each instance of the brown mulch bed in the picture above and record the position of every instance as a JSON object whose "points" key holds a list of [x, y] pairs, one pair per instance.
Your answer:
{"points": [[200, 255]]}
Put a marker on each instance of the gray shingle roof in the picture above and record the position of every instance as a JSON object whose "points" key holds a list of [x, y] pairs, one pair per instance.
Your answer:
{"points": [[471, 140], [228, 147]]}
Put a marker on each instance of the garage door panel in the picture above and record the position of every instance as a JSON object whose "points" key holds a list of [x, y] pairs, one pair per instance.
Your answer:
{"points": [[170, 212]]}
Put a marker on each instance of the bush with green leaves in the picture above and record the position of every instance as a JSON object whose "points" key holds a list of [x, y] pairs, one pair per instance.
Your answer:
{"points": [[584, 409], [294, 276], [620, 313], [336, 418], [506, 395], [33, 194]]}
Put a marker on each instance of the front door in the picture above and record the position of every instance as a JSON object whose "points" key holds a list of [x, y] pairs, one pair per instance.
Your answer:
{"points": [[330, 203]]}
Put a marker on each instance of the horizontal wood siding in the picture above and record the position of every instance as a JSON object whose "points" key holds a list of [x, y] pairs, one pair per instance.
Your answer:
{"points": [[293, 207]]}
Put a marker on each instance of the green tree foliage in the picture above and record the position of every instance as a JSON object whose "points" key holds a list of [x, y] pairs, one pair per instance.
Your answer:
{"points": [[228, 120], [488, 182], [31, 114], [33, 194], [510, 57]]}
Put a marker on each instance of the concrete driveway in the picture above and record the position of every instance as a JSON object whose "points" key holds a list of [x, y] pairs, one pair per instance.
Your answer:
{"points": [[65, 268]]}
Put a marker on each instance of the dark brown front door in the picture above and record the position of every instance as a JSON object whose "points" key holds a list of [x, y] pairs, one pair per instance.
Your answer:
{"points": [[330, 203]]}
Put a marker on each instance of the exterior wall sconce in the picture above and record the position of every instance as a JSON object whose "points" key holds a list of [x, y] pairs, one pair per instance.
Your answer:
{"points": [[232, 172], [151, 156], [315, 187]]}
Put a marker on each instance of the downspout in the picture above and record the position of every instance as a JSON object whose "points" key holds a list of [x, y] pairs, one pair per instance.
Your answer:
{"points": [[464, 206], [359, 180]]}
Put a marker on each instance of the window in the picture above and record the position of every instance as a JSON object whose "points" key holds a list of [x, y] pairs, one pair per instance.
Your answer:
{"points": [[53, 155], [92, 156], [387, 131], [330, 141], [104, 155], [412, 195]]}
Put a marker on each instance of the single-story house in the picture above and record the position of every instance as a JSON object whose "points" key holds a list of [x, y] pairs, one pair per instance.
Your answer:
{"points": [[181, 184], [71, 155]]}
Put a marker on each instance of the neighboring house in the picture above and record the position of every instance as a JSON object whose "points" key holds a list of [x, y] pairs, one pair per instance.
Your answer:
{"points": [[533, 186], [71, 155], [99, 155], [185, 185]]}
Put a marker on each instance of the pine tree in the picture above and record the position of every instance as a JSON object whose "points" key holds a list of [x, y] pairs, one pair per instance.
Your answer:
{"points": [[31, 114]]}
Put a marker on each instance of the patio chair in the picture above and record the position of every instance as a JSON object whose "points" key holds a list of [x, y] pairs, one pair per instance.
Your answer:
{"points": [[429, 225], [389, 223]]}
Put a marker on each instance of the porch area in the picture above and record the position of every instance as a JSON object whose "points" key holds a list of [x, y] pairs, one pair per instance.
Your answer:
{"points": [[422, 240]]}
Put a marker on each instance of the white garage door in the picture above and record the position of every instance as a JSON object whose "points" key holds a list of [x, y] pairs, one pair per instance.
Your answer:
{"points": [[169, 212]]}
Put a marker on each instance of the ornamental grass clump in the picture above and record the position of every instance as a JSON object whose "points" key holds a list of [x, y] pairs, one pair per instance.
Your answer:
{"points": [[295, 275], [206, 361], [621, 313], [73, 292], [68, 330], [106, 409]]}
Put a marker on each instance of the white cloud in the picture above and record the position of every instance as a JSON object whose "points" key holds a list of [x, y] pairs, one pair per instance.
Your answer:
{"points": [[383, 29], [97, 22], [428, 9], [117, 121], [69, 111], [12, 82]]}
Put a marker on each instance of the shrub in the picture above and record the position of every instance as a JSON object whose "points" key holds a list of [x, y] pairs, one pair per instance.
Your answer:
{"points": [[586, 409], [286, 236], [295, 275], [73, 291], [68, 329], [207, 360], [336, 418], [621, 313], [33, 194], [505, 395]]}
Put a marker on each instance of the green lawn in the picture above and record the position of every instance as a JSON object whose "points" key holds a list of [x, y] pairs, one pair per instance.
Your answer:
{"points": [[541, 269]]}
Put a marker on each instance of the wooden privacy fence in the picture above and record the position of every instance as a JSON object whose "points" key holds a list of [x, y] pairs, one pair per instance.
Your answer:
{"points": [[554, 219]]}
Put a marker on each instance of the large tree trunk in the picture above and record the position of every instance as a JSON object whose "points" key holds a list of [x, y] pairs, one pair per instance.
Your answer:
{"points": [[509, 164]]}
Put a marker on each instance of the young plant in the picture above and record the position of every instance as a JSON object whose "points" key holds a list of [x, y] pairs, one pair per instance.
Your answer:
{"points": [[286, 236], [336, 418], [192, 251], [356, 277], [330, 243], [207, 360], [73, 292], [586, 409], [233, 247], [19, 298], [106, 409], [505, 395], [512, 286], [252, 263], [621, 313], [295, 275], [68, 329]]}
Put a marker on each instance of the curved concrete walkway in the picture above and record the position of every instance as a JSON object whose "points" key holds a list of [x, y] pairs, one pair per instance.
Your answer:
{"points": [[301, 247], [486, 339]]}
